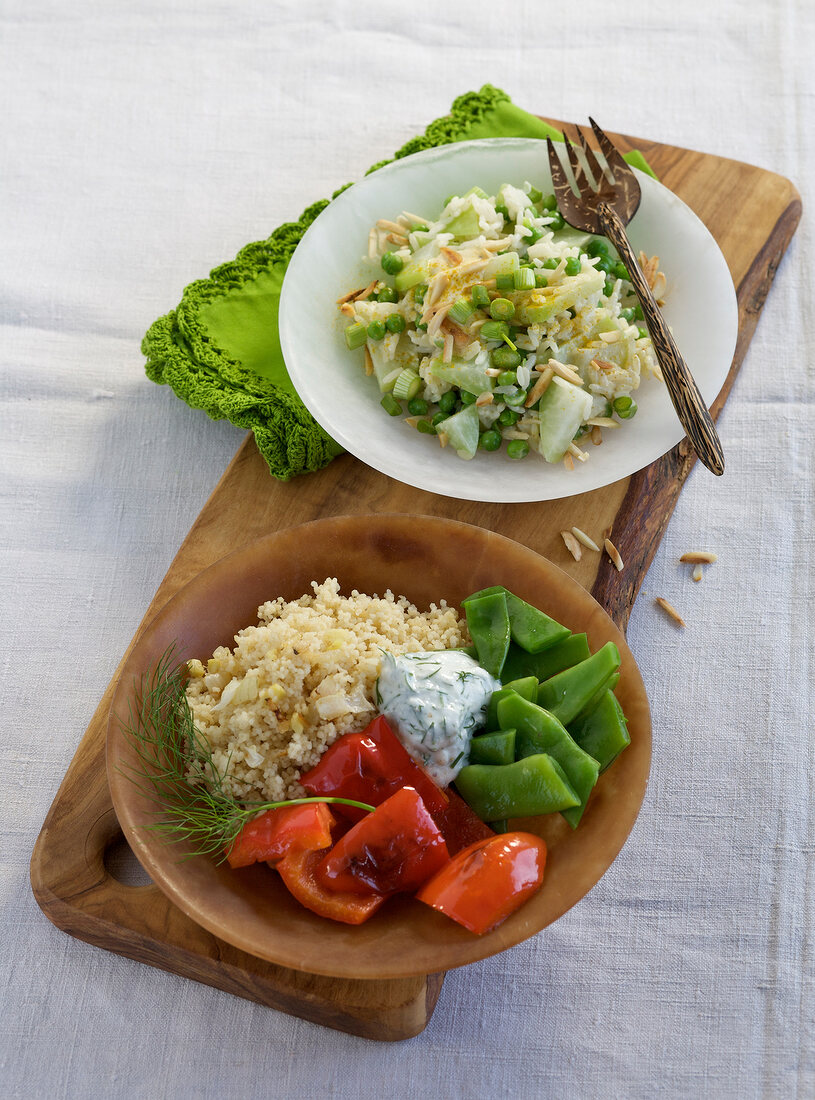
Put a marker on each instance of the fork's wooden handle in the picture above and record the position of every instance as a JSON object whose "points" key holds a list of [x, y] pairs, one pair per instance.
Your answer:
{"points": [[687, 400]]}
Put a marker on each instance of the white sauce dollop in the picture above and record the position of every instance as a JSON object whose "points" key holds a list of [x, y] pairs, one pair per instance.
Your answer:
{"points": [[434, 702]]}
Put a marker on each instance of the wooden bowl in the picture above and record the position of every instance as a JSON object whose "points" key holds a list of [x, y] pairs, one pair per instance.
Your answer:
{"points": [[426, 559]]}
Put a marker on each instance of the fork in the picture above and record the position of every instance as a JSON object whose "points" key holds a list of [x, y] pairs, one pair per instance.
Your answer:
{"points": [[605, 204]]}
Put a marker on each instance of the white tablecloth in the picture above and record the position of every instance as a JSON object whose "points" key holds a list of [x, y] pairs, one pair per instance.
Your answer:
{"points": [[143, 144]]}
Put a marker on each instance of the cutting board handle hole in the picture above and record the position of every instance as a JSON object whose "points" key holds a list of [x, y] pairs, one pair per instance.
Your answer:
{"points": [[121, 864]]}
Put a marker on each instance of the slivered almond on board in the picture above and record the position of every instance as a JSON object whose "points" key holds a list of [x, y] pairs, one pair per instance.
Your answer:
{"points": [[614, 554], [698, 572], [706, 557], [669, 609], [581, 536], [572, 545]]}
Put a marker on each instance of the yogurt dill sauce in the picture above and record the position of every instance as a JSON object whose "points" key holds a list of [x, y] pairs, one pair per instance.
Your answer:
{"points": [[434, 702]]}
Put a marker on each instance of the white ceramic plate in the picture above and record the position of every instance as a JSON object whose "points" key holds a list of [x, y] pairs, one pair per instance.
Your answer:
{"points": [[331, 259]]}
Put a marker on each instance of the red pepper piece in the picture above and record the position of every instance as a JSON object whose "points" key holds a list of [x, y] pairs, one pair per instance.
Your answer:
{"points": [[460, 826], [486, 882], [370, 767], [392, 850], [298, 871], [270, 835]]}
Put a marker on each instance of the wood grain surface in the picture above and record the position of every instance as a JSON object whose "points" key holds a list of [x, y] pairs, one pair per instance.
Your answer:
{"points": [[752, 214]]}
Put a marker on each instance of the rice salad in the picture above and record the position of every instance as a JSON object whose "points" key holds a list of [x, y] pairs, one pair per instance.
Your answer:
{"points": [[498, 326], [302, 677]]}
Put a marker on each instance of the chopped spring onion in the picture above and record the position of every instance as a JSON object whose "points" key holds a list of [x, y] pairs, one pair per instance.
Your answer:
{"points": [[524, 279], [534, 194], [391, 405], [505, 281], [461, 311], [356, 335], [407, 385], [480, 296], [426, 427], [502, 309], [625, 407], [494, 330]]}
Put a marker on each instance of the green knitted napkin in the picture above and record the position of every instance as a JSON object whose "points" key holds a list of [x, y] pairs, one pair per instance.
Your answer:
{"points": [[219, 349]]}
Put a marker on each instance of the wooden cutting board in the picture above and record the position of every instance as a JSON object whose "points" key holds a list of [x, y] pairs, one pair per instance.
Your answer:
{"points": [[752, 214]]}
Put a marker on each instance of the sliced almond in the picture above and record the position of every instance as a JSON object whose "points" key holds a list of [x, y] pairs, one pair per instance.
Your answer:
{"points": [[369, 363], [698, 572], [391, 227], [483, 399], [596, 435], [447, 354], [670, 610], [568, 462], [347, 297], [602, 364], [443, 438], [575, 452], [347, 309], [454, 258], [540, 387], [569, 374], [610, 337], [572, 545], [695, 556], [397, 239], [581, 536], [614, 554], [369, 289]]}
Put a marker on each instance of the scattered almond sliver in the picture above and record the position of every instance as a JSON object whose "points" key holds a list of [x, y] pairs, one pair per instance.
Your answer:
{"points": [[566, 372], [572, 545], [697, 572], [392, 227], [596, 436], [575, 452], [670, 610], [369, 363], [696, 556], [451, 255], [369, 289], [602, 422], [485, 398], [539, 388], [614, 554], [581, 536], [347, 297]]}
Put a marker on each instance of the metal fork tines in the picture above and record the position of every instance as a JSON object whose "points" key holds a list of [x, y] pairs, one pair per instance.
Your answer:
{"points": [[602, 197]]}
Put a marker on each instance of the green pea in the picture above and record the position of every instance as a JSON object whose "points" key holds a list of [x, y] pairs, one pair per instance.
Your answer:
{"points": [[391, 263], [395, 323], [533, 236], [448, 402], [501, 209], [638, 312], [490, 440], [556, 220], [387, 294], [627, 315], [573, 266], [625, 407], [376, 330], [549, 202], [417, 406], [605, 263], [535, 195], [426, 427], [608, 288], [419, 293], [508, 417], [437, 418], [506, 359], [517, 448], [540, 280], [620, 270], [642, 333], [467, 398], [506, 377], [515, 398], [551, 263], [421, 326], [501, 309], [597, 247]]}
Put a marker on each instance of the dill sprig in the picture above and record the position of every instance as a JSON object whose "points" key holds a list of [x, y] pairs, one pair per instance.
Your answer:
{"points": [[176, 770]]}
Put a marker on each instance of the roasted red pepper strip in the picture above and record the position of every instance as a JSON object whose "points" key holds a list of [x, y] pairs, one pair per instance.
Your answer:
{"points": [[460, 826], [486, 882], [393, 850], [298, 871], [370, 767], [272, 834]]}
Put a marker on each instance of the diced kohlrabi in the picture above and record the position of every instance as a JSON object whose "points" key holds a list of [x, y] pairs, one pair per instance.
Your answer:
{"points": [[563, 408], [388, 370], [458, 372], [419, 268], [461, 430], [500, 265], [534, 307]]}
